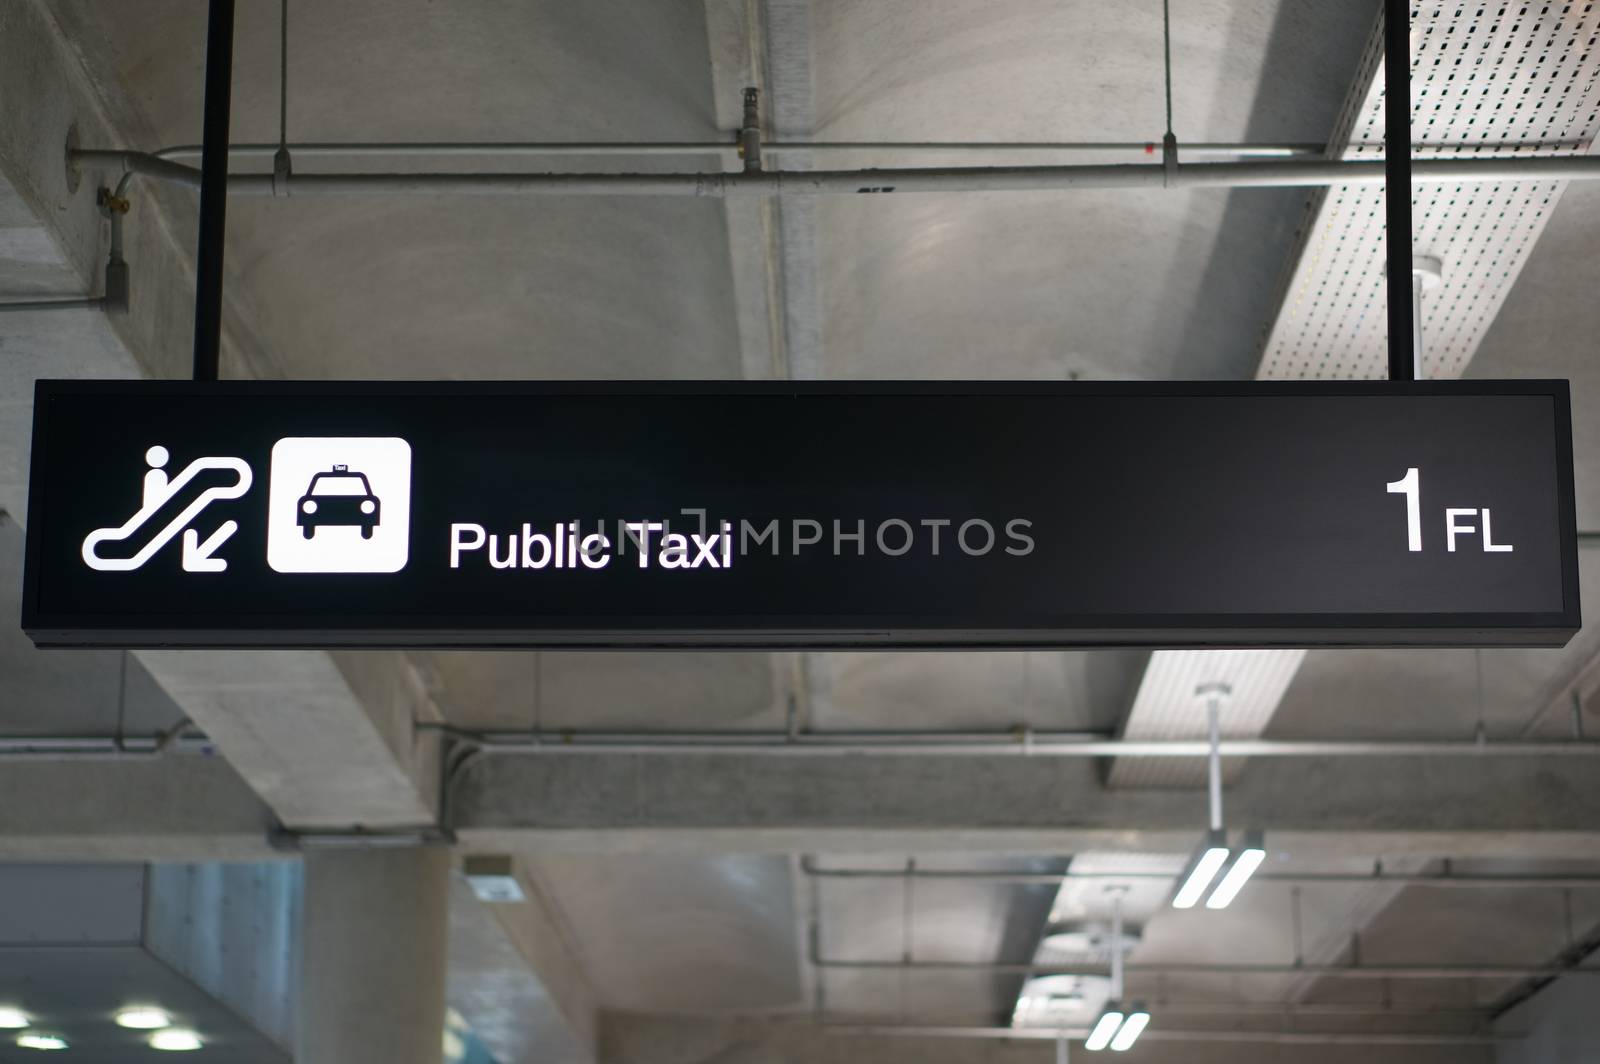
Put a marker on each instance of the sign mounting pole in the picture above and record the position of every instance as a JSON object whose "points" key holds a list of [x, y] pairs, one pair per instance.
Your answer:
{"points": [[213, 191], [1397, 185]]}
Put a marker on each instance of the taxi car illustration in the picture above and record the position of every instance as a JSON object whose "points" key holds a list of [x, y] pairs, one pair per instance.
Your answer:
{"points": [[338, 497]]}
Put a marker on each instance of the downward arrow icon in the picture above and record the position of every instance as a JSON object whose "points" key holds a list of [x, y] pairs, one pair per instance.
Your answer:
{"points": [[197, 556]]}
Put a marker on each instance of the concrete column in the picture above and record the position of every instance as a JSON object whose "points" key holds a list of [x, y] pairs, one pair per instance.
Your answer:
{"points": [[374, 940]]}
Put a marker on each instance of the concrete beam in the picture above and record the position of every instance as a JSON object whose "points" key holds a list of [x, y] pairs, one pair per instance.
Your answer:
{"points": [[568, 1011], [1371, 807], [291, 724], [176, 808], [326, 739]]}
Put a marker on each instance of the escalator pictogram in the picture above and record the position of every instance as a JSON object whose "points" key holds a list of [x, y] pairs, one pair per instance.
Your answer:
{"points": [[170, 507]]}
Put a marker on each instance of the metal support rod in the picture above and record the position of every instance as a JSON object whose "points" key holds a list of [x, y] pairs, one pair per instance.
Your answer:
{"points": [[1166, 51], [718, 184], [282, 167], [1397, 184], [214, 184], [1116, 947], [750, 132], [1214, 759], [1416, 326]]}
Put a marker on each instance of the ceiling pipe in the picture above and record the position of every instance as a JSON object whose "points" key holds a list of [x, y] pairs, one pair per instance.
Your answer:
{"points": [[516, 149], [719, 184], [1327, 971], [33, 305], [1024, 743], [1171, 1034], [808, 866]]}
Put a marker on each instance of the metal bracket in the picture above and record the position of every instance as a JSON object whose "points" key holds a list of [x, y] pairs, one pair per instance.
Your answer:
{"points": [[750, 132]]}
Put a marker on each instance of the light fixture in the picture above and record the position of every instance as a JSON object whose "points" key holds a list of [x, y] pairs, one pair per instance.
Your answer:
{"points": [[1245, 861], [1119, 1026], [1214, 855], [176, 1040], [13, 1018], [142, 1018], [1203, 868], [33, 1040], [493, 879], [1105, 1028], [1132, 1027]]}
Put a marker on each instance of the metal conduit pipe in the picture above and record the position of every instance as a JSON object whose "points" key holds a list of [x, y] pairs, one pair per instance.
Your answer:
{"points": [[1328, 971], [1269, 174], [102, 747], [1171, 1034], [1450, 881], [75, 303], [1016, 744], [490, 149]]}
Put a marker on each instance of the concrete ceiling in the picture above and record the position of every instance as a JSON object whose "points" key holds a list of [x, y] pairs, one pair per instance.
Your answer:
{"points": [[1144, 285]]}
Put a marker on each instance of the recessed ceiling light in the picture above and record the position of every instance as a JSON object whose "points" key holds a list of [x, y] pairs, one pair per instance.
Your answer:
{"points": [[41, 1041], [175, 1039], [12, 1018], [143, 1018]]}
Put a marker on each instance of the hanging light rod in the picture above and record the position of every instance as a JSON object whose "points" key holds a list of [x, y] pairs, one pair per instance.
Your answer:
{"points": [[1214, 856], [1119, 1025]]}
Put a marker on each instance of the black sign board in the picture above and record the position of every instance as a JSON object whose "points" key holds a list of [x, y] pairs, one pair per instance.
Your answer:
{"points": [[801, 515]]}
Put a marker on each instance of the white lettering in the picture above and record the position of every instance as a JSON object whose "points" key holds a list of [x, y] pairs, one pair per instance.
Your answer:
{"points": [[674, 551], [1451, 529], [511, 552], [640, 531], [704, 547], [594, 551], [530, 539], [1488, 538], [458, 544]]}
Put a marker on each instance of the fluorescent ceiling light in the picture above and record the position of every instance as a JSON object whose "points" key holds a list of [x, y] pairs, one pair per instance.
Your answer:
{"points": [[1245, 862], [41, 1041], [1132, 1028], [142, 1018], [1104, 1028], [175, 1040], [1202, 871], [13, 1018]]}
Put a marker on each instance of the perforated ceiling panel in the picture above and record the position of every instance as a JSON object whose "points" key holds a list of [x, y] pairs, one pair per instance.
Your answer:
{"points": [[1488, 79]]}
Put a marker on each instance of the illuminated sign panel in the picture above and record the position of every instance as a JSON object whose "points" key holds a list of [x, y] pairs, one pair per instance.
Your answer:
{"points": [[801, 515]]}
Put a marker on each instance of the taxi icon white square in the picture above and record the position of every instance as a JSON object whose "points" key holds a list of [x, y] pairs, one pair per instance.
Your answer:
{"points": [[339, 504]]}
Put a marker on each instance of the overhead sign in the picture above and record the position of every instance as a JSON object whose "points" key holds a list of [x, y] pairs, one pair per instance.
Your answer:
{"points": [[800, 515]]}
